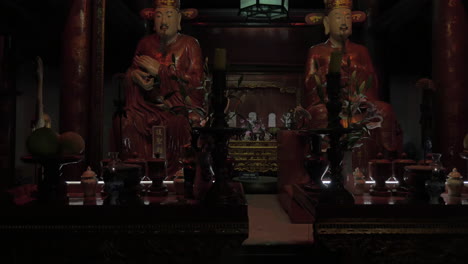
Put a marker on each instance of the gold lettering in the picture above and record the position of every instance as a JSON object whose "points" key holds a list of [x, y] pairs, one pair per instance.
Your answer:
{"points": [[449, 26]]}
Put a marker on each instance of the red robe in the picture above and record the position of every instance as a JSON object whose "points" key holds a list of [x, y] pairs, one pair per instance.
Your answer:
{"points": [[142, 114], [356, 58]]}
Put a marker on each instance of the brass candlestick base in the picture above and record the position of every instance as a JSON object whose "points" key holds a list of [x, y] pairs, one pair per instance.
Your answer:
{"points": [[52, 188], [157, 174], [380, 192], [216, 143]]}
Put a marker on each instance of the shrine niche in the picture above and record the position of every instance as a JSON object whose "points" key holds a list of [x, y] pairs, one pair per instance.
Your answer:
{"points": [[264, 93]]}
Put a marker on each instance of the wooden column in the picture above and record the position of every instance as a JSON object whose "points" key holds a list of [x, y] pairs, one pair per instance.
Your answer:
{"points": [[96, 109], [449, 62], [76, 54], [7, 112]]}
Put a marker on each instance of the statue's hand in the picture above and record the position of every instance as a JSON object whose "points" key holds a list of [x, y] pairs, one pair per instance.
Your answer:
{"points": [[143, 79], [147, 63]]}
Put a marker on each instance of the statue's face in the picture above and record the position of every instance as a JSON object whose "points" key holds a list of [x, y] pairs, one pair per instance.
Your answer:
{"points": [[167, 21], [340, 23]]}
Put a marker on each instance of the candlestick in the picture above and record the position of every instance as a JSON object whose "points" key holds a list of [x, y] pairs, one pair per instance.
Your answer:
{"points": [[335, 62], [220, 60]]}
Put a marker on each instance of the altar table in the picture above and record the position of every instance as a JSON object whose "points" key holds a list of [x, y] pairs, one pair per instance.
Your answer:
{"points": [[163, 230], [388, 230]]}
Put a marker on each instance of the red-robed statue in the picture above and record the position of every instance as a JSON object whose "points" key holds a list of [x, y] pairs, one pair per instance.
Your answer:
{"points": [[338, 21], [167, 69]]}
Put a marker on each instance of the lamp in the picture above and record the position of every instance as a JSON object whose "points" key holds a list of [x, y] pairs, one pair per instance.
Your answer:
{"points": [[264, 9]]}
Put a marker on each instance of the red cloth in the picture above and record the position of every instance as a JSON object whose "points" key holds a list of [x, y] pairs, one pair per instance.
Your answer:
{"points": [[142, 115]]}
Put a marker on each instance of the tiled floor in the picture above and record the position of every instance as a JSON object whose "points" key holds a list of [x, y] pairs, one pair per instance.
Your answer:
{"points": [[272, 237], [270, 225]]}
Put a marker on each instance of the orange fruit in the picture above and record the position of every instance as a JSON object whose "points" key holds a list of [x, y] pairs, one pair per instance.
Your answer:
{"points": [[71, 143]]}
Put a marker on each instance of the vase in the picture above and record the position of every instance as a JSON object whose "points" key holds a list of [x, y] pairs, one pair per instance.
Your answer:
{"points": [[359, 182], [179, 184], [435, 186], [380, 170], [398, 168], [157, 172], [122, 182], [454, 183], [316, 167], [415, 178], [204, 175], [89, 183]]}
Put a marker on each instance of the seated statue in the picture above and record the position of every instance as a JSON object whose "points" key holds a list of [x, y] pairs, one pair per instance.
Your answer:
{"points": [[338, 25], [166, 71]]}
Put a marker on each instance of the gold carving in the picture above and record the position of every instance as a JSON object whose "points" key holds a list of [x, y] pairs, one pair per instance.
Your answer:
{"points": [[316, 19], [254, 156], [357, 16], [449, 26], [262, 84], [334, 4], [453, 3], [409, 227]]}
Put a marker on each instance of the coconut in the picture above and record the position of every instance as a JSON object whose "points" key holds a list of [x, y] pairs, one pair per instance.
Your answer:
{"points": [[43, 142]]}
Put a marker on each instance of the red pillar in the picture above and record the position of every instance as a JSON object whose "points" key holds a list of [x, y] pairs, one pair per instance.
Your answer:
{"points": [[96, 107], [8, 95], [451, 79], [76, 55]]}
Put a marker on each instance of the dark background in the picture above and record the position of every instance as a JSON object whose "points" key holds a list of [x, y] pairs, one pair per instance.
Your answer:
{"points": [[403, 27]]}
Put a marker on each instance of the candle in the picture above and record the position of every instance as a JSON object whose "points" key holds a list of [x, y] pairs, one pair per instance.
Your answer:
{"points": [[335, 62], [220, 59]]}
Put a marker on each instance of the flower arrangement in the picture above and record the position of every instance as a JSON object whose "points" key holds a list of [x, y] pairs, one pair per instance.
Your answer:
{"points": [[253, 128], [357, 111], [196, 115]]}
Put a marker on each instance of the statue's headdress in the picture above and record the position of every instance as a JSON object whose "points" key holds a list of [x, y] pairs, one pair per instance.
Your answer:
{"points": [[317, 18], [148, 13]]}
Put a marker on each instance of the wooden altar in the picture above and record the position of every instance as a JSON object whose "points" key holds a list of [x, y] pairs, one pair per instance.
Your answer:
{"points": [[163, 230], [388, 230]]}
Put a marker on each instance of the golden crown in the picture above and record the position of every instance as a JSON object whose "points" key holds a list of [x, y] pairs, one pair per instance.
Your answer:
{"points": [[167, 3], [334, 4]]}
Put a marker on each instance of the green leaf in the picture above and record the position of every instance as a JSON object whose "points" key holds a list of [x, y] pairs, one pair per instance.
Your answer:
{"points": [[316, 64], [317, 79], [353, 75], [320, 92], [183, 92], [200, 111], [188, 100], [169, 95], [177, 108], [369, 83], [182, 80], [174, 78], [362, 87], [173, 58], [241, 79]]}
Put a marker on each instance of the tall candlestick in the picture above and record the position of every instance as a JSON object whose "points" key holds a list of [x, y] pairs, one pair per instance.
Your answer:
{"points": [[220, 59], [218, 98], [335, 62]]}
